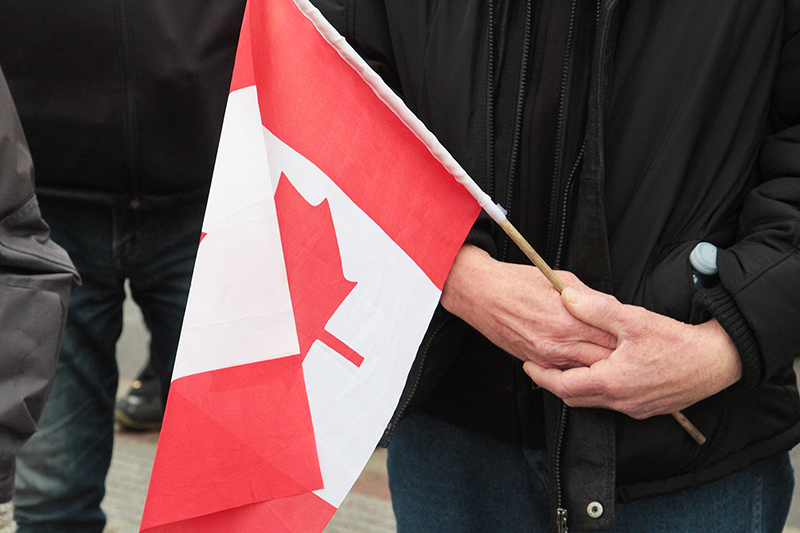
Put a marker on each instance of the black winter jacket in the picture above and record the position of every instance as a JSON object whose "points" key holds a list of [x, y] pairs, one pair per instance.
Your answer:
{"points": [[677, 122], [121, 101]]}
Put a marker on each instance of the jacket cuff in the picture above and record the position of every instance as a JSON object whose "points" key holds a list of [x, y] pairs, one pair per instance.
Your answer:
{"points": [[719, 303], [480, 235], [481, 240]]}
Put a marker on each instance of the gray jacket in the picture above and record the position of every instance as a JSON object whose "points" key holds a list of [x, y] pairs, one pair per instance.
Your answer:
{"points": [[36, 277]]}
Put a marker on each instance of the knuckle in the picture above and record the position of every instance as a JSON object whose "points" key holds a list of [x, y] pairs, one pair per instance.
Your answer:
{"points": [[544, 348]]}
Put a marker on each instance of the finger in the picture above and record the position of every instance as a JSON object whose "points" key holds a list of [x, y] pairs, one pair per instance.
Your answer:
{"points": [[597, 336], [594, 308], [566, 384], [546, 378], [586, 401], [586, 354]]}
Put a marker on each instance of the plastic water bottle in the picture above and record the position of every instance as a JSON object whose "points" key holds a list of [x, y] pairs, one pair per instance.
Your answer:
{"points": [[704, 265]]}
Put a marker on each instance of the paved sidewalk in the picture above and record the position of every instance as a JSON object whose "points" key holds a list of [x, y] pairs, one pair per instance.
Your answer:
{"points": [[367, 509]]}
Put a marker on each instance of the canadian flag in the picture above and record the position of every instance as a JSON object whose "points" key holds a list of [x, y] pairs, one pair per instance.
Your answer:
{"points": [[332, 222]]}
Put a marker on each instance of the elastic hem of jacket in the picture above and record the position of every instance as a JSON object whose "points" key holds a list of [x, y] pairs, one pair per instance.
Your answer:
{"points": [[138, 201], [482, 240], [718, 302]]}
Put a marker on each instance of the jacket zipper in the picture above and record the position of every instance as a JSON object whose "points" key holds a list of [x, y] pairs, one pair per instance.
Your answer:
{"points": [[565, 203], [401, 411], [562, 111], [131, 119], [521, 89], [490, 103], [523, 75], [561, 512]]}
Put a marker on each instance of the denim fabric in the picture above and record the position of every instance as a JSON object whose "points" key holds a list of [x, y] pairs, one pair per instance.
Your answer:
{"points": [[61, 471], [444, 479]]}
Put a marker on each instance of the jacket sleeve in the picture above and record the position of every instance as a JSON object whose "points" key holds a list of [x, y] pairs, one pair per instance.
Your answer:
{"points": [[36, 277], [758, 299]]}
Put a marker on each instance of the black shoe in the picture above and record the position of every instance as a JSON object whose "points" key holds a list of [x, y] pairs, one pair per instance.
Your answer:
{"points": [[141, 409]]}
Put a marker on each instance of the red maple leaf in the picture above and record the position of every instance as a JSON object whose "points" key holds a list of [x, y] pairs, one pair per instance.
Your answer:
{"points": [[313, 267]]}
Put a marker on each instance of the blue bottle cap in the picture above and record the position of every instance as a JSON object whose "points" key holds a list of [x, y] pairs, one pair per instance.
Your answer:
{"points": [[704, 259]]}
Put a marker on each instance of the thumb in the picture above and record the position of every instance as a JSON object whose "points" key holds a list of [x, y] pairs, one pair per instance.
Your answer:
{"points": [[594, 308]]}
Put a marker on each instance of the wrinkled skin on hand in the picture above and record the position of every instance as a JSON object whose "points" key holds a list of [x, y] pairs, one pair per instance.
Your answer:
{"points": [[517, 309], [660, 365], [585, 346]]}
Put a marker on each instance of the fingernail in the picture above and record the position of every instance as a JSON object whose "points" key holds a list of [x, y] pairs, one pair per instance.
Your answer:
{"points": [[574, 296]]}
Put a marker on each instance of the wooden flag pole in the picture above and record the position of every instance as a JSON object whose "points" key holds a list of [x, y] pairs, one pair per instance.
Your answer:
{"points": [[528, 250], [548, 272]]}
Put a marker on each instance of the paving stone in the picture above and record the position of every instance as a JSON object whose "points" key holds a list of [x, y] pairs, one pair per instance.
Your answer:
{"points": [[360, 513]]}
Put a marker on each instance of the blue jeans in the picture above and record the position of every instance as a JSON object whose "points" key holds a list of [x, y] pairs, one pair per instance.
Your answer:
{"points": [[444, 479], [61, 471]]}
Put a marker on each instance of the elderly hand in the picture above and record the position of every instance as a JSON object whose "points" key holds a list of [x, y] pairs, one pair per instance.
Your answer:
{"points": [[659, 365], [517, 309]]}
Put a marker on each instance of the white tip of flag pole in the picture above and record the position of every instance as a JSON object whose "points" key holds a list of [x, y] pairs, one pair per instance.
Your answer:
{"points": [[494, 210]]}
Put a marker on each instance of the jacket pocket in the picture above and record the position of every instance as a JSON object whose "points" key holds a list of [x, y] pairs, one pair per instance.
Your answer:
{"points": [[25, 243], [31, 326], [668, 289]]}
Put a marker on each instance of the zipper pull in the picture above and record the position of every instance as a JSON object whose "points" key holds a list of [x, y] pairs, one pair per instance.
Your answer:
{"points": [[561, 520]]}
